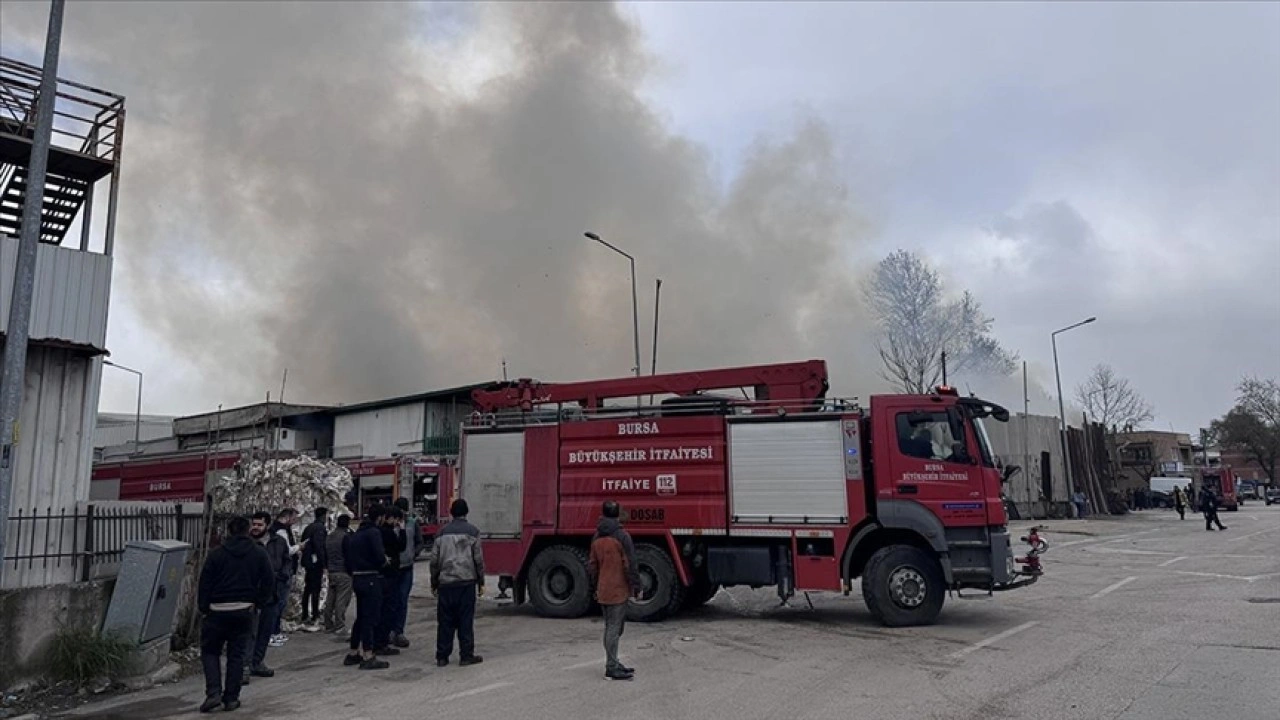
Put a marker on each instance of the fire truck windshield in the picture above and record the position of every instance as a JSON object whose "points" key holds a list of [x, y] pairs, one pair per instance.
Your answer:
{"points": [[977, 410], [984, 442]]}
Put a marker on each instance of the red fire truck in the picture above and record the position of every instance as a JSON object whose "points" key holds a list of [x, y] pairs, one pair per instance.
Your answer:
{"points": [[179, 477], [182, 477], [423, 480], [787, 489], [1223, 483]]}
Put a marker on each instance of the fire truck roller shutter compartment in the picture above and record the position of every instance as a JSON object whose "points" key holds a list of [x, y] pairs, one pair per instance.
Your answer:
{"points": [[493, 481], [787, 471]]}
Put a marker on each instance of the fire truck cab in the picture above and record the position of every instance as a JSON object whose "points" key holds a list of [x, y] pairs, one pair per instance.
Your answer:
{"points": [[787, 489]]}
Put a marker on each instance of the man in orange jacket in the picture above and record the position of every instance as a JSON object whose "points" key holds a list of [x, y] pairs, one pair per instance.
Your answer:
{"points": [[614, 576]]}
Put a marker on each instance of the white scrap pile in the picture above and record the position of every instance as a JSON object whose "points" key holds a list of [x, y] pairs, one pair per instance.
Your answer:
{"points": [[272, 484]]}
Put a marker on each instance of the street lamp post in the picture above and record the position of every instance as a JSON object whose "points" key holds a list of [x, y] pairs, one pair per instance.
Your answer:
{"points": [[1062, 411], [635, 310], [137, 417]]}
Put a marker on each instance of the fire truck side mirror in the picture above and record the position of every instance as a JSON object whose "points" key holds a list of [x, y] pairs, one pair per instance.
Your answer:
{"points": [[1008, 472]]}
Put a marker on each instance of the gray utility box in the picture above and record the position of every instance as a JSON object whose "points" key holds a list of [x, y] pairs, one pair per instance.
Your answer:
{"points": [[147, 590]]}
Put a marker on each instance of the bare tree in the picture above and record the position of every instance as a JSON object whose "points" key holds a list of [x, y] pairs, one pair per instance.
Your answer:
{"points": [[1110, 400], [918, 323], [1253, 425]]}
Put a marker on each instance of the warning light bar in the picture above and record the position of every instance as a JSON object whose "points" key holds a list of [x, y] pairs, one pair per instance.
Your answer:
{"points": [[946, 390]]}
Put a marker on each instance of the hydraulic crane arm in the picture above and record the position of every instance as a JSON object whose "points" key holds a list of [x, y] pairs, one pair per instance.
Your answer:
{"points": [[803, 381]]}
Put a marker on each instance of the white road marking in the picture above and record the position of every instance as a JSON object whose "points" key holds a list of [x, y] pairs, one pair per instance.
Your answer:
{"points": [[585, 663], [1252, 534], [993, 639], [474, 691], [1167, 563], [1101, 539], [1218, 575], [1076, 542], [1126, 551], [1113, 587]]}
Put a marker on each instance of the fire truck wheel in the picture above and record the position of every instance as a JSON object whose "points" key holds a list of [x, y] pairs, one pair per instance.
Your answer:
{"points": [[661, 593], [558, 582], [699, 593], [902, 586]]}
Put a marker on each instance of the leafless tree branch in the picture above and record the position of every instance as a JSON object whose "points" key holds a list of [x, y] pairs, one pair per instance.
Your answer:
{"points": [[1110, 400]]}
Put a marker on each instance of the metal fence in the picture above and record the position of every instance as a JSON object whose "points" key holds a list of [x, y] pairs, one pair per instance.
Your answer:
{"points": [[48, 545]]}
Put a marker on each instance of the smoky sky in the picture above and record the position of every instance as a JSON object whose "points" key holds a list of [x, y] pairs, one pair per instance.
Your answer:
{"points": [[325, 188], [1061, 160]]}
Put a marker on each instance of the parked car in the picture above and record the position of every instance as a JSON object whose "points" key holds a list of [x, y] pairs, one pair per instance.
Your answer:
{"points": [[1272, 494], [1248, 490]]}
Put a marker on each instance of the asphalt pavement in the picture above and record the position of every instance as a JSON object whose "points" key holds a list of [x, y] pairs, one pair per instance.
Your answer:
{"points": [[1143, 617]]}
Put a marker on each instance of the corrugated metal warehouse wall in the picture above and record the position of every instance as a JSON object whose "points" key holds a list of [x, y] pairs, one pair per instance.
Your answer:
{"points": [[1027, 488], [380, 432], [71, 293], [397, 429], [54, 453]]}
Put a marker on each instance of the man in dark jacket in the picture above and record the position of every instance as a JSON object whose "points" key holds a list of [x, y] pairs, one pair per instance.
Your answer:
{"points": [[277, 550], [235, 580], [313, 565], [457, 577], [365, 558], [1209, 506], [412, 534], [283, 527], [615, 578], [393, 543], [339, 597]]}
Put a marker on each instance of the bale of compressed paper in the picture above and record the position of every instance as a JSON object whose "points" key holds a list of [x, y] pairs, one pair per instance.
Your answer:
{"points": [[273, 484]]}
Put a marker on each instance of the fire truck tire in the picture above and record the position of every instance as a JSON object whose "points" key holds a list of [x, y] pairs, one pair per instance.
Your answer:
{"points": [[699, 593], [903, 586], [661, 592], [558, 582]]}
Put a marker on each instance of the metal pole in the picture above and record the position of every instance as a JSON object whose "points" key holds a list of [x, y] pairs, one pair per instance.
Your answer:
{"points": [[13, 373], [635, 315], [1062, 412], [635, 307], [137, 418], [1026, 420], [657, 298], [1062, 416]]}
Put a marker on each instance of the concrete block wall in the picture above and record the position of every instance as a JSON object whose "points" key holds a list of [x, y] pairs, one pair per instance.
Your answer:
{"points": [[30, 617]]}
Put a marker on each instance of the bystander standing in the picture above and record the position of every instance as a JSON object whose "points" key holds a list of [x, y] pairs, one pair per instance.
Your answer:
{"points": [[236, 579], [365, 558], [339, 597], [613, 573], [457, 579]]}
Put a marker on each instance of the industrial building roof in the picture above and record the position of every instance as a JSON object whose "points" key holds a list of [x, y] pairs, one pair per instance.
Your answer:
{"points": [[462, 392]]}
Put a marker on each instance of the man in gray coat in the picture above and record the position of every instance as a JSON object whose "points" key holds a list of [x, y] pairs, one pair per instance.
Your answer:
{"points": [[412, 541], [457, 577], [339, 597]]}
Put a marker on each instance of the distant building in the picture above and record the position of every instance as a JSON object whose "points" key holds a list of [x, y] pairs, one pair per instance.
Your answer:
{"points": [[306, 429], [426, 424], [1243, 467], [1145, 454], [122, 428]]}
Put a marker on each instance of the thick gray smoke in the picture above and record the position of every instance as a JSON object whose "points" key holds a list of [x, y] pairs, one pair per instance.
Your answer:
{"points": [[314, 186]]}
